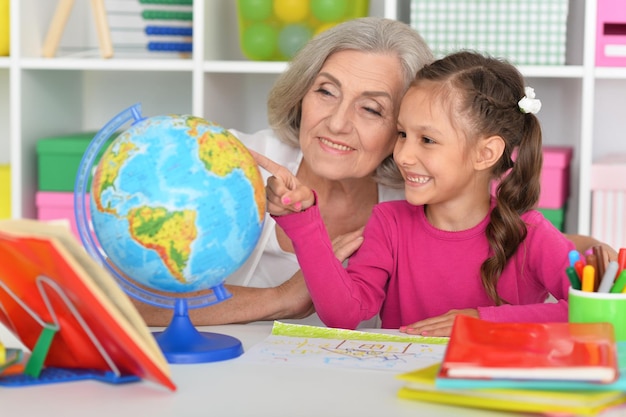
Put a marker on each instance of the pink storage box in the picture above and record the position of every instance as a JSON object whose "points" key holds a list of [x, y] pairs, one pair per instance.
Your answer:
{"points": [[611, 33], [554, 177], [608, 200], [58, 206]]}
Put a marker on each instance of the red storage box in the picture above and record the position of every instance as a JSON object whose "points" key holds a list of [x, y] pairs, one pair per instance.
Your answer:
{"points": [[58, 206]]}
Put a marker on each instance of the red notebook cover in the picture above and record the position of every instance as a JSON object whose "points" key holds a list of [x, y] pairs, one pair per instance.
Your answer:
{"points": [[557, 351], [47, 271]]}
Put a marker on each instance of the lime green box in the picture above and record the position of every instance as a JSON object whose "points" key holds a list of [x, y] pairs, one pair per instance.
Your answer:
{"points": [[58, 160], [555, 216], [5, 191]]}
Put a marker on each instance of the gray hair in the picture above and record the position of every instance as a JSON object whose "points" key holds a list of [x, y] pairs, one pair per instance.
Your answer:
{"points": [[368, 34]]}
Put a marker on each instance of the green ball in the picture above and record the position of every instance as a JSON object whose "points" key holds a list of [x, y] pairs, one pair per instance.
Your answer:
{"points": [[329, 10], [292, 38], [255, 10], [259, 41]]}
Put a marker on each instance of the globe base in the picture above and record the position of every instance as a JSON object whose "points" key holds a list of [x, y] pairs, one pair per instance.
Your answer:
{"points": [[182, 343]]}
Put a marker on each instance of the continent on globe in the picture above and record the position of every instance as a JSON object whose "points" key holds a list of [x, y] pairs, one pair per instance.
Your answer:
{"points": [[169, 233], [177, 203]]}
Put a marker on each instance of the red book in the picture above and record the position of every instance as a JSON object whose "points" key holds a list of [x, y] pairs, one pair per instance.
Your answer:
{"points": [[542, 351], [46, 276]]}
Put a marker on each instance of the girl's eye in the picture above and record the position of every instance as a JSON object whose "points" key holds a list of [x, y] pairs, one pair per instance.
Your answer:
{"points": [[426, 139], [401, 134]]}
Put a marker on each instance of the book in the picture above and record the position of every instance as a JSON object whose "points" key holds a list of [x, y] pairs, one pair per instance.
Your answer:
{"points": [[466, 383], [532, 351], [53, 293], [420, 385]]}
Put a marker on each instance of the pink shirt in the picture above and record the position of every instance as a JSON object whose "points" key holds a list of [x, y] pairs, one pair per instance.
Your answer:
{"points": [[408, 270]]}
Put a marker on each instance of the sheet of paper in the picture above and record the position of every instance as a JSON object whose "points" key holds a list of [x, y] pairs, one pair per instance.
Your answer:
{"points": [[301, 345]]}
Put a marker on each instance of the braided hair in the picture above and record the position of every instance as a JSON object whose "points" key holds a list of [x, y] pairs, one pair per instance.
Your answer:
{"points": [[488, 91]]}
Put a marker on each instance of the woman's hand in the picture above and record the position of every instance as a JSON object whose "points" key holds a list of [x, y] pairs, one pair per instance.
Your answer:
{"points": [[438, 326], [345, 245], [285, 193]]}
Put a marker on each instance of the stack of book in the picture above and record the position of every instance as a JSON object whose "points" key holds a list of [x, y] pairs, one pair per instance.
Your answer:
{"points": [[570, 368]]}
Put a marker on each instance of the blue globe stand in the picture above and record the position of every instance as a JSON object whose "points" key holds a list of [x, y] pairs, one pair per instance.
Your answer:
{"points": [[180, 342]]}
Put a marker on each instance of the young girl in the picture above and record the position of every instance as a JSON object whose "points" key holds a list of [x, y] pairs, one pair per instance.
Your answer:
{"points": [[450, 248]]}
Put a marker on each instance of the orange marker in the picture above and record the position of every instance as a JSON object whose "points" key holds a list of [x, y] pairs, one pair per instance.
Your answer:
{"points": [[592, 260], [589, 278]]}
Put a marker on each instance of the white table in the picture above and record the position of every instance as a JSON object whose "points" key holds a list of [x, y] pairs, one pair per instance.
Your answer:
{"points": [[229, 388]]}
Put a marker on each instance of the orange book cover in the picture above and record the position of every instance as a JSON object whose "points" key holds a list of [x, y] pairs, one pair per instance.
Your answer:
{"points": [[44, 269], [546, 351]]}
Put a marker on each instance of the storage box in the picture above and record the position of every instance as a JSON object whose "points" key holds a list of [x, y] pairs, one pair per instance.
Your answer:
{"points": [[58, 206], [5, 28], [274, 30], [59, 159], [554, 179], [526, 32], [555, 216], [611, 33], [608, 200], [5, 191]]}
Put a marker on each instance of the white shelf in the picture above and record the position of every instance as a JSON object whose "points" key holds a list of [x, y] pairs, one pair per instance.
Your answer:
{"points": [[244, 67], [608, 73], [106, 64], [565, 71], [76, 92]]}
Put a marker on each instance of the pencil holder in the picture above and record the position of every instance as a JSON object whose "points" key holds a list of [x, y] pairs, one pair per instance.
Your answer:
{"points": [[589, 307]]}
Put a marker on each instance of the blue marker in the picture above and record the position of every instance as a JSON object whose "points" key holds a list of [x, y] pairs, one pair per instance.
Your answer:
{"points": [[573, 257]]}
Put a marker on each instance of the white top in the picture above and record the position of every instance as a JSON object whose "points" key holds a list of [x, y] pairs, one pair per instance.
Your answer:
{"points": [[269, 265]]}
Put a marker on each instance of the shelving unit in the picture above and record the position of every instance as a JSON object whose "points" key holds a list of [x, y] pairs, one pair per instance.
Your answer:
{"points": [[42, 97]]}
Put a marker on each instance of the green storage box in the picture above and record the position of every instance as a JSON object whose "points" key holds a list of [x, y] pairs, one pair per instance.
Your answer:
{"points": [[527, 32], [555, 216], [58, 160]]}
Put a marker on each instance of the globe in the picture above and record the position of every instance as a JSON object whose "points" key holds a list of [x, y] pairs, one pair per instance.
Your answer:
{"points": [[176, 205]]}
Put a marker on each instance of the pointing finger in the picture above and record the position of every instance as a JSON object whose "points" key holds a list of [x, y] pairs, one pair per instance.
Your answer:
{"points": [[266, 163]]}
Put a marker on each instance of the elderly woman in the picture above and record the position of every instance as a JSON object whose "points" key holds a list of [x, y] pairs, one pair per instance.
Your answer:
{"points": [[333, 118]]}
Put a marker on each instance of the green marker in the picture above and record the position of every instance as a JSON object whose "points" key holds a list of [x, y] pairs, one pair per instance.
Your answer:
{"points": [[573, 277], [620, 283]]}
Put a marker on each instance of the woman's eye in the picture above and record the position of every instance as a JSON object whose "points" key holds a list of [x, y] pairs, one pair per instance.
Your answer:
{"points": [[373, 111], [323, 91]]}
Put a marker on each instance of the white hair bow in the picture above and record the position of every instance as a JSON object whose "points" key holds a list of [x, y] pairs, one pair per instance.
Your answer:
{"points": [[528, 103]]}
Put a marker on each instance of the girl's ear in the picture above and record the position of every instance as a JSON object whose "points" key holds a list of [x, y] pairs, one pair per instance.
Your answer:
{"points": [[489, 151]]}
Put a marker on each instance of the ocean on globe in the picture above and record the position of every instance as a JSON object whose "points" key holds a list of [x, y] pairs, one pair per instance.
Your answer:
{"points": [[177, 203]]}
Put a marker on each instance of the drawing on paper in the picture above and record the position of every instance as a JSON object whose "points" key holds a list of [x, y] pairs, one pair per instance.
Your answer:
{"points": [[294, 349]]}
